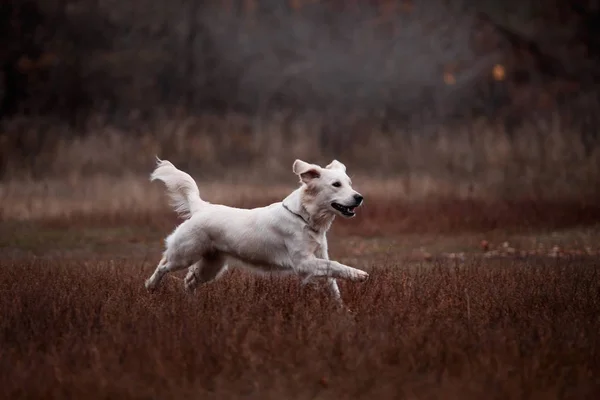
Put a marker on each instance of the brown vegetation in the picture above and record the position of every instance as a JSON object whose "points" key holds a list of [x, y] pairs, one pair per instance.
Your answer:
{"points": [[480, 233], [542, 159], [77, 322], [493, 330], [386, 210]]}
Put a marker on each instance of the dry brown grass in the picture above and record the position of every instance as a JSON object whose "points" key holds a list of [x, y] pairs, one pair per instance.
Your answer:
{"points": [[388, 207], [543, 158], [76, 321], [379, 216], [493, 330]]}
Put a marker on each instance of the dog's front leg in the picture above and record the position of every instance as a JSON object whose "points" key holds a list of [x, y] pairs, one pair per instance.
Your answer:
{"points": [[323, 253], [321, 268]]}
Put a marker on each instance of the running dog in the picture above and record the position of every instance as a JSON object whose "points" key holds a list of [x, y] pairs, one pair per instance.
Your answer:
{"points": [[284, 237]]}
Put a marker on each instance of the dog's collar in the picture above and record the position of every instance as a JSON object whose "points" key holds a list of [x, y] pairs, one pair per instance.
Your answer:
{"points": [[299, 216]]}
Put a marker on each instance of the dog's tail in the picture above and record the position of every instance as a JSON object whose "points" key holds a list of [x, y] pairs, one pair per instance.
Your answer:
{"points": [[181, 188]]}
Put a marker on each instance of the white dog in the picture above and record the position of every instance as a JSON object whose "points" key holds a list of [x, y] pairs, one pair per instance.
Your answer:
{"points": [[287, 236]]}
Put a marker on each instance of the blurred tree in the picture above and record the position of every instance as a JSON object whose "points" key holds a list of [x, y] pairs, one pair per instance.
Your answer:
{"points": [[19, 51], [387, 59]]}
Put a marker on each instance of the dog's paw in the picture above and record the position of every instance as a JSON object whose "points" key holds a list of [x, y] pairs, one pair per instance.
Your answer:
{"points": [[150, 286], [190, 282], [360, 276], [189, 285]]}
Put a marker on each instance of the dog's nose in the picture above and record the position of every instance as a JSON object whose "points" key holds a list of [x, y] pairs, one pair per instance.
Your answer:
{"points": [[358, 198]]}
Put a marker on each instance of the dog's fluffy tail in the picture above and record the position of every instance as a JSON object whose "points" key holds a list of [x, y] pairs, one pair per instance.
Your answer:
{"points": [[181, 188]]}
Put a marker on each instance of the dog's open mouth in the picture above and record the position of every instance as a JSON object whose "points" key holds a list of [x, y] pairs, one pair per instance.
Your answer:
{"points": [[347, 211]]}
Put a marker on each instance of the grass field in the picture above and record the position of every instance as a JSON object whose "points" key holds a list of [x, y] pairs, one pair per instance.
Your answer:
{"points": [[467, 300]]}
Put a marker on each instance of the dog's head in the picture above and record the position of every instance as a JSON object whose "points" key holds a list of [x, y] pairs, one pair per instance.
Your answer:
{"points": [[328, 190]]}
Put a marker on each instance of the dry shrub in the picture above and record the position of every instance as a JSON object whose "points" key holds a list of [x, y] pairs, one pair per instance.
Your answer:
{"points": [[385, 216], [493, 330], [388, 207], [379, 216], [546, 158]]}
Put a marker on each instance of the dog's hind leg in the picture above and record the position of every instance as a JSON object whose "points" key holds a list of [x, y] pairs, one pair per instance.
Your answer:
{"points": [[184, 247], [157, 275], [209, 268], [163, 267]]}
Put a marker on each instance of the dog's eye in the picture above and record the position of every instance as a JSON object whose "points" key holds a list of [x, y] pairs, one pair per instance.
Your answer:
{"points": [[336, 184]]}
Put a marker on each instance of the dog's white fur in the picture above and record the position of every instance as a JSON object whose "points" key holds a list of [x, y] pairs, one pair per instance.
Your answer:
{"points": [[287, 236]]}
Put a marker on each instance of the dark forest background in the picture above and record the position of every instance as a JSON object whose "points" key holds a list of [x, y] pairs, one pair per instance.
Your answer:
{"points": [[357, 68]]}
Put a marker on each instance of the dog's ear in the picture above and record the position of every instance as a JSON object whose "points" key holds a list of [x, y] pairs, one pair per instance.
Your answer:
{"points": [[306, 171], [335, 164]]}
